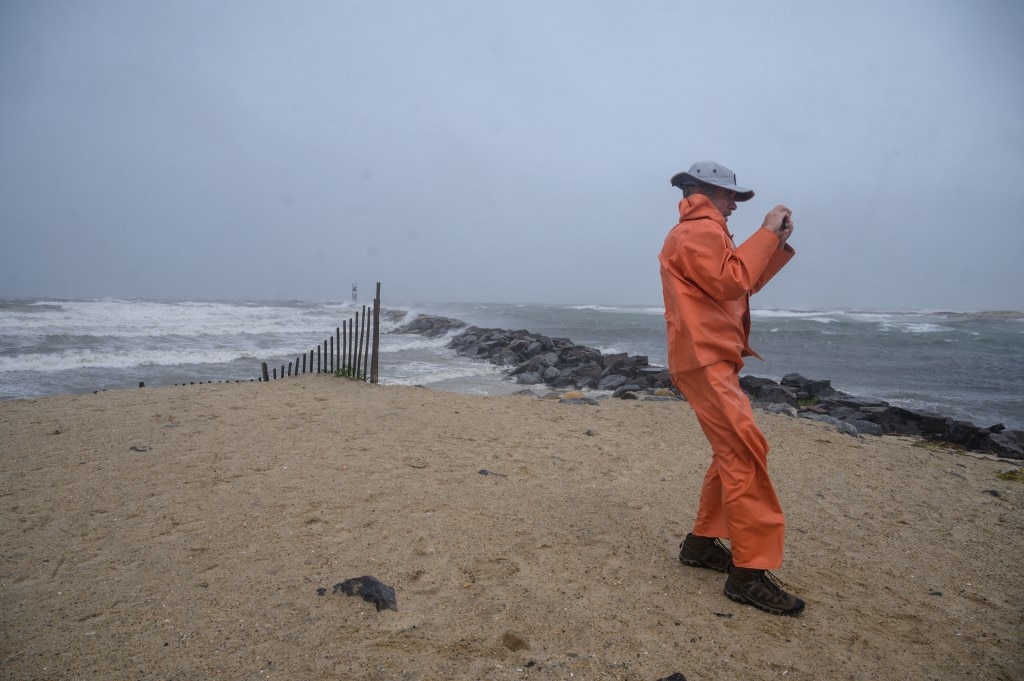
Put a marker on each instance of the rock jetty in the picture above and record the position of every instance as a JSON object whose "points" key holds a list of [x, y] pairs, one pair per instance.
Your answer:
{"points": [[533, 359]]}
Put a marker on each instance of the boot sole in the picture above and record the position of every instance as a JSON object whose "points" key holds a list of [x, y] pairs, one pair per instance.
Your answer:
{"points": [[792, 612], [690, 562]]}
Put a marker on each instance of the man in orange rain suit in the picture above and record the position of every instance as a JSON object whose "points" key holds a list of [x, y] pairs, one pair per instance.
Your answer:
{"points": [[707, 281]]}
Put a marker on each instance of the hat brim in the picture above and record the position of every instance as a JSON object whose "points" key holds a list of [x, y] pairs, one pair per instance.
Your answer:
{"points": [[682, 179]]}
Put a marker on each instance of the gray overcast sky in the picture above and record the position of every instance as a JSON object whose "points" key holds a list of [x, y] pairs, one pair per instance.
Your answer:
{"points": [[473, 151]]}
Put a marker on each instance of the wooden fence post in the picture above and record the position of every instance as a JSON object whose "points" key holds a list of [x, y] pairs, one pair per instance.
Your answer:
{"points": [[376, 336], [357, 345], [348, 344], [266, 375], [366, 344]]}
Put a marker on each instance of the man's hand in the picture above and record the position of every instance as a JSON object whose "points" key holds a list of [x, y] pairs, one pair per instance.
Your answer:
{"points": [[779, 221]]}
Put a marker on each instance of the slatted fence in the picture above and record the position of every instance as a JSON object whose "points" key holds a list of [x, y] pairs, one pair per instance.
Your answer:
{"points": [[352, 351]]}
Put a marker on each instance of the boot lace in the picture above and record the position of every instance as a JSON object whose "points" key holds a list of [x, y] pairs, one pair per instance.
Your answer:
{"points": [[772, 584]]}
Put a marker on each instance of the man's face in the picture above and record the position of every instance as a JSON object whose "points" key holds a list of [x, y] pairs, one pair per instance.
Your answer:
{"points": [[724, 200]]}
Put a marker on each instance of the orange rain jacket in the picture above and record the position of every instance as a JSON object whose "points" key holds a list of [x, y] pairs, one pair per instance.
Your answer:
{"points": [[707, 282]]}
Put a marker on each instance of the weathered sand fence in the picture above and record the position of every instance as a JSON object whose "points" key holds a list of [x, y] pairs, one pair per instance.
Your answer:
{"points": [[352, 351]]}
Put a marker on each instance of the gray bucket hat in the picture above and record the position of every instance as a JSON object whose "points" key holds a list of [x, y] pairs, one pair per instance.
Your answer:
{"points": [[709, 172]]}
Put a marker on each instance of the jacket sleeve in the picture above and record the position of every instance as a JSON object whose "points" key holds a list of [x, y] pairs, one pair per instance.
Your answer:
{"points": [[724, 272], [778, 260]]}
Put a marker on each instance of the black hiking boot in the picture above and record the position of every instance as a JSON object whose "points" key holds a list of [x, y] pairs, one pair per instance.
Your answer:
{"points": [[705, 552], [762, 590]]}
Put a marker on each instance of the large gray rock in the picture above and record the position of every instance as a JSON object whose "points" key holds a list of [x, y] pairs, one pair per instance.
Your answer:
{"points": [[752, 385], [505, 357], [529, 378], [865, 427], [777, 408], [841, 426], [431, 326], [611, 382], [778, 394], [1008, 443], [627, 391]]}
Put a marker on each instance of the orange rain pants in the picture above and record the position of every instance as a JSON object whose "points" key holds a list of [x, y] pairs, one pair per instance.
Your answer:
{"points": [[737, 500]]}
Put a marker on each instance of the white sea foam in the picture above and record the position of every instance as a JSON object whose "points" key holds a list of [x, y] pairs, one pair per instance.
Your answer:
{"points": [[423, 373], [130, 319], [850, 315], [72, 359], [412, 342], [871, 316], [625, 309], [902, 320], [914, 327], [769, 313]]}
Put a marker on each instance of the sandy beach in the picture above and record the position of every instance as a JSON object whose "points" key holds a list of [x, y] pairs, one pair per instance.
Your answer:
{"points": [[184, 532]]}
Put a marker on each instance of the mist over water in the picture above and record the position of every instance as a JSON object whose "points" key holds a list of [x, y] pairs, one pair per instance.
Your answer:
{"points": [[969, 366]]}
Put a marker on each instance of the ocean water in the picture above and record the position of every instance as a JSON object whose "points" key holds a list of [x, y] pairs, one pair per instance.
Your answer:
{"points": [[965, 365]]}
